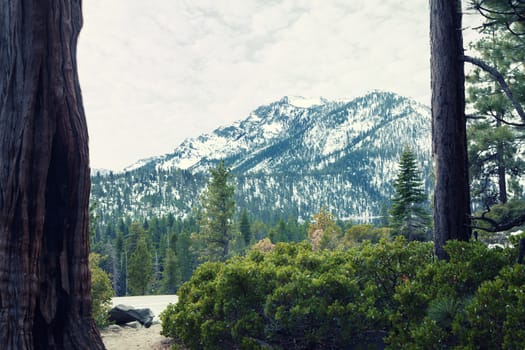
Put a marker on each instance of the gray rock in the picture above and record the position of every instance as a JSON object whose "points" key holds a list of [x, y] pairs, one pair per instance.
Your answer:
{"points": [[122, 314]]}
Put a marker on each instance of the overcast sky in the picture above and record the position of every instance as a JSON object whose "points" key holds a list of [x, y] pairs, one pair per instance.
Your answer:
{"points": [[156, 72]]}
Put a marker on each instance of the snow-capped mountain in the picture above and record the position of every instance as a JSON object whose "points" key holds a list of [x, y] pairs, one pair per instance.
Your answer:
{"points": [[289, 158]]}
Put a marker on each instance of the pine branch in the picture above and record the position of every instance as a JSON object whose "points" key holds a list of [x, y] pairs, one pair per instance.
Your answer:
{"points": [[500, 80], [496, 226]]}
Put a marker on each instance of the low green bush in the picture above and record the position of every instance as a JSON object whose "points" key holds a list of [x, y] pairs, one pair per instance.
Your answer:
{"points": [[496, 315], [392, 291], [431, 307], [101, 291]]}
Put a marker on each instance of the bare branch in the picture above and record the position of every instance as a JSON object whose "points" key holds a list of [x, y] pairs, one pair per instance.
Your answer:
{"points": [[473, 116], [518, 125]]}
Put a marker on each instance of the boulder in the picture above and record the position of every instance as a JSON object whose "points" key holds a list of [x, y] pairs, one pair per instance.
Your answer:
{"points": [[122, 314]]}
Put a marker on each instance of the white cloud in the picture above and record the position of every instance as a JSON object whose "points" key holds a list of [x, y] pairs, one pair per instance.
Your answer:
{"points": [[156, 72]]}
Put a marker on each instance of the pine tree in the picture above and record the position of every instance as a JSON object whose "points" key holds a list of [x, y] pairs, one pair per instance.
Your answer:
{"points": [[279, 233], [493, 146], [186, 258], [135, 232], [121, 256], [140, 268], [493, 154], [218, 207], [244, 228], [408, 215], [171, 273]]}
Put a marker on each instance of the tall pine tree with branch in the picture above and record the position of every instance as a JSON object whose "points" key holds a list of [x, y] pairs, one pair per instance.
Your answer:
{"points": [[409, 214], [218, 207]]}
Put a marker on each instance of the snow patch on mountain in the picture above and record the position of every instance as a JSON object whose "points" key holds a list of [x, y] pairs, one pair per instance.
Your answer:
{"points": [[302, 102]]}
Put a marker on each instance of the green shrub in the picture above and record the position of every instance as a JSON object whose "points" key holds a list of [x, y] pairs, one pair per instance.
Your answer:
{"points": [[496, 315], [101, 291], [293, 297], [432, 305]]}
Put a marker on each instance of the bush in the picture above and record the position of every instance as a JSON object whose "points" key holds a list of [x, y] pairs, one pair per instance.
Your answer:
{"points": [[101, 291], [431, 306], [496, 316], [392, 291], [293, 297]]}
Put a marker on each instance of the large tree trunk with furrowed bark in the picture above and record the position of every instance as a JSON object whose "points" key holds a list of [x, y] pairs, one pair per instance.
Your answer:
{"points": [[45, 300], [449, 141]]}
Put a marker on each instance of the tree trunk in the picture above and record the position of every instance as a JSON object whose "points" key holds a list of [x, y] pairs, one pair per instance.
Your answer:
{"points": [[45, 300], [449, 142], [502, 170]]}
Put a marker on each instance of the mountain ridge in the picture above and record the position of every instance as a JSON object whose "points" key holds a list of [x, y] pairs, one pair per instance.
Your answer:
{"points": [[339, 154]]}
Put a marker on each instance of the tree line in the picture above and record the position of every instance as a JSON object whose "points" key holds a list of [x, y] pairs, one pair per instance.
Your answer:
{"points": [[158, 254]]}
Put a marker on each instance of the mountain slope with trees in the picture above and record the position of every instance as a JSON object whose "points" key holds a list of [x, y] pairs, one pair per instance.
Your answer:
{"points": [[287, 158]]}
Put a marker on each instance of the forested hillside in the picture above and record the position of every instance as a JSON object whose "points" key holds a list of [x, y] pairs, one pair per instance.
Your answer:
{"points": [[288, 158]]}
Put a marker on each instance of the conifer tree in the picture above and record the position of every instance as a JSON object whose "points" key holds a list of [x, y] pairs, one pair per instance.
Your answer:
{"points": [[121, 256], [244, 228], [186, 258], [218, 207], [140, 268], [493, 154], [408, 215], [493, 145], [279, 233], [171, 273]]}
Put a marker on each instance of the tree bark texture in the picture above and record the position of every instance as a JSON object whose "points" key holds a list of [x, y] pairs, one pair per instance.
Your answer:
{"points": [[449, 141], [45, 300]]}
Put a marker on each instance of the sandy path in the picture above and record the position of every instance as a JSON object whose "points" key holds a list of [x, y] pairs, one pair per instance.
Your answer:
{"points": [[123, 338], [135, 338]]}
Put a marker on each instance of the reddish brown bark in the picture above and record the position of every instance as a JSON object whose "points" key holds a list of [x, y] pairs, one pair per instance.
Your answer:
{"points": [[45, 298], [449, 140]]}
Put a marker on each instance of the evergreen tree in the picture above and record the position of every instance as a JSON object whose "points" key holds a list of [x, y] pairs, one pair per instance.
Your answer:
{"points": [[296, 232], [493, 154], [186, 258], [135, 232], [119, 279], [171, 274], [218, 207], [279, 233], [244, 228], [493, 146], [140, 268], [408, 215]]}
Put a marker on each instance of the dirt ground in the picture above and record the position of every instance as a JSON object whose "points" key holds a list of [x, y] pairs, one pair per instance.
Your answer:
{"points": [[140, 338]]}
